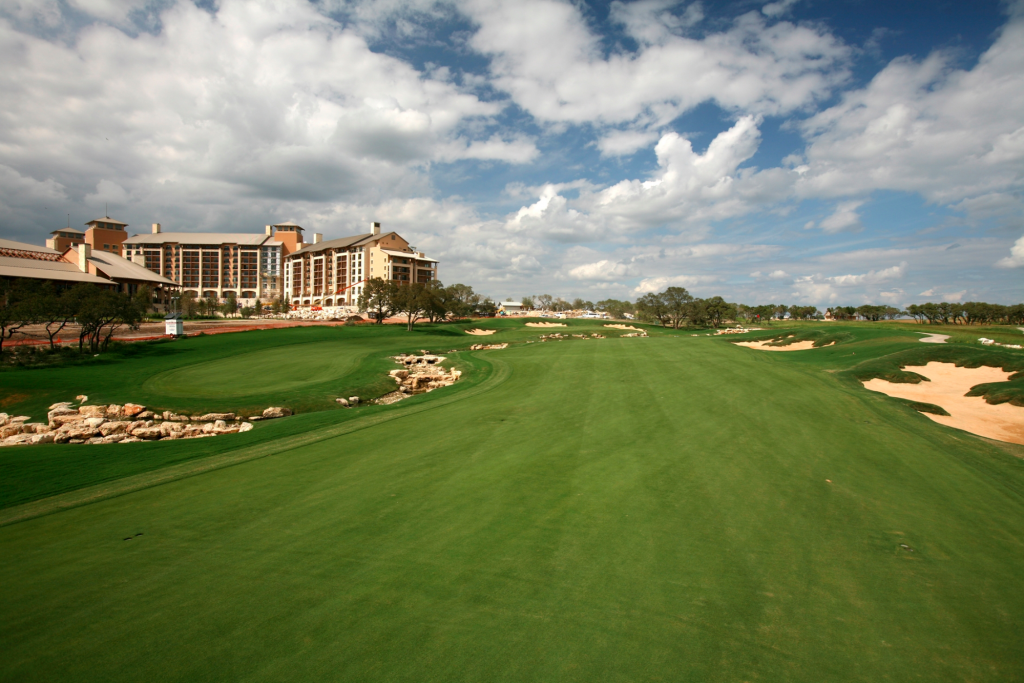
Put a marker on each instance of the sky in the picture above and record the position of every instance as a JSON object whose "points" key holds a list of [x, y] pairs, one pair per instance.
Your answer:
{"points": [[839, 152]]}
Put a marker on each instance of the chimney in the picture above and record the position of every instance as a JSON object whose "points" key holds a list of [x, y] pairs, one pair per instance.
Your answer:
{"points": [[375, 228], [317, 238], [419, 254], [84, 252], [269, 231], [156, 228]]}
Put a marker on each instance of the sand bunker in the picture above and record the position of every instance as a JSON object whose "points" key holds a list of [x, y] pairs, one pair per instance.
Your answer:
{"points": [[1004, 422], [933, 338], [478, 332], [795, 346], [546, 325], [625, 327]]}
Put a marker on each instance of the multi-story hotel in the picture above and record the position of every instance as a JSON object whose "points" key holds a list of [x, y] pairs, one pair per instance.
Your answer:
{"points": [[104, 234], [212, 264], [332, 273]]}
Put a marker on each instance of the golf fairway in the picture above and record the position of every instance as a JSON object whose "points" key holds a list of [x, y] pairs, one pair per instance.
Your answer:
{"points": [[654, 509]]}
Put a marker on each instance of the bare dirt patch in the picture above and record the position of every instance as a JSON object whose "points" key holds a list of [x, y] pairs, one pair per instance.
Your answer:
{"points": [[480, 333], [625, 327], [546, 325], [947, 388], [795, 346]]}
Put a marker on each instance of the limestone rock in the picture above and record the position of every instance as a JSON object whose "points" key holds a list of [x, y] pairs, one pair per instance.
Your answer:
{"points": [[254, 418], [213, 417], [4, 419], [92, 411], [132, 409], [9, 431], [80, 431], [110, 428], [61, 420], [342, 401], [94, 422], [115, 411], [147, 433], [81, 398], [62, 404], [246, 426], [353, 400], [146, 415], [274, 412]]}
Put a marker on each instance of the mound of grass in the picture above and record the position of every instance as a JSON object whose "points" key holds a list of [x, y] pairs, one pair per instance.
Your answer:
{"points": [[890, 368]]}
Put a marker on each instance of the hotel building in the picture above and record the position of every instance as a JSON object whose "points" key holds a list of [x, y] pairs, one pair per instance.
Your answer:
{"points": [[332, 273], [212, 264]]}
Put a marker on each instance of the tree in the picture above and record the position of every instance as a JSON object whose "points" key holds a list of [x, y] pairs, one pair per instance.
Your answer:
{"points": [[459, 300], [615, 308], [677, 305], [545, 301], [258, 309], [230, 305], [378, 298], [527, 302], [716, 309], [411, 300], [486, 307], [54, 309], [652, 308], [246, 312], [100, 313], [15, 306], [434, 301]]}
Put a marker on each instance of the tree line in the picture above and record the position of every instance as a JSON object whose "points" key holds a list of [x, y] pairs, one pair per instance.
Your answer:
{"points": [[383, 299], [98, 312]]}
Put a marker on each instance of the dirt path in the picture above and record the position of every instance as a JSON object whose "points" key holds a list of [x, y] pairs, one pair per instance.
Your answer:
{"points": [[947, 388]]}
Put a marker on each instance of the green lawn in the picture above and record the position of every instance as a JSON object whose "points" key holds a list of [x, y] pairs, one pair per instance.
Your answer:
{"points": [[607, 510]]}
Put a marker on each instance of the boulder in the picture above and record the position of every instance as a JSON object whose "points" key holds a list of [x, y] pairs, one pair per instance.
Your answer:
{"points": [[147, 433], [115, 438], [254, 418], [146, 415], [4, 419], [10, 430], [95, 422], [208, 428], [171, 429], [246, 426], [130, 439], [111, 428], [115, 411], [342, 401], [92, 411], [41, 438], [61, 437], [77, 441], [20, 419], [213, 417], [63, 404], [274, 412], [81, 398], [61, 411], [132, 409], [37, 427], [61, 420], [80, 431], [354, 400], [220, 424]]}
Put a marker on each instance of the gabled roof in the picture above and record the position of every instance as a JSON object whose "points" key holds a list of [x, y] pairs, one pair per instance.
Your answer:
{"points": [[117, 268], [287, 224], [61, 271], [6, 244], [407, 254], [67, 230], [204, 238], [340, 243]]}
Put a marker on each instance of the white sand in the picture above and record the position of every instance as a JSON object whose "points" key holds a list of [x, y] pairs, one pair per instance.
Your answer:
{"points": [[546, 325], [625, 327], [934, 338], [1004, 422], [795, 346], [478, 332]]}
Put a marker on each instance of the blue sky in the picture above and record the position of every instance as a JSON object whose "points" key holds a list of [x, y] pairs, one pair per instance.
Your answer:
{"points": [[840, 152]]}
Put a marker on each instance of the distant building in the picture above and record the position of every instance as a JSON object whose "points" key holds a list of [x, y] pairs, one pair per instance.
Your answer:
{"points": [[332, 273], [79, 264], [212, 264], [106, 234], [64, 238], [510, 307]]}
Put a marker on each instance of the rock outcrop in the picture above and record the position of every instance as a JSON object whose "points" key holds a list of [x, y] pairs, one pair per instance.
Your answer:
{"points": [[419, 374], [130, 423]]}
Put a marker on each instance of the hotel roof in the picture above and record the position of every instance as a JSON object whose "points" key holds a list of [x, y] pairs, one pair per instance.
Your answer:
{"points": [[202, 238], [46, 270], [117, 268]]}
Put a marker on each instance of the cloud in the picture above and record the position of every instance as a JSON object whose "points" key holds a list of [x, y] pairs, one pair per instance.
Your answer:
{"points": [[545, 56], [778, 9], [602, 270], [656, 284], [923, 126], [1016, 257], [845, 218], [871, 277]]}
